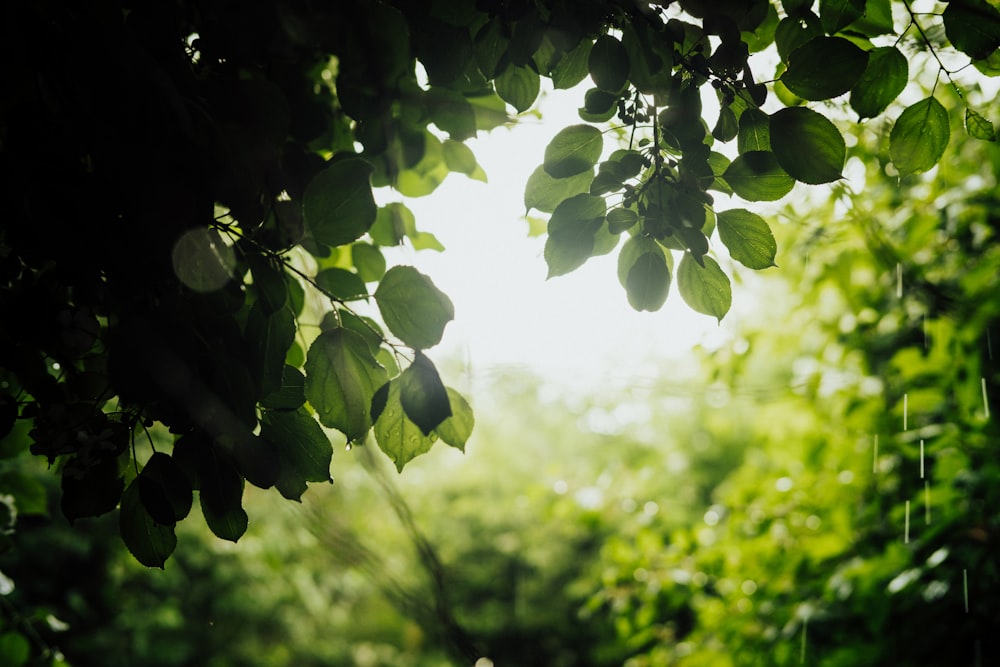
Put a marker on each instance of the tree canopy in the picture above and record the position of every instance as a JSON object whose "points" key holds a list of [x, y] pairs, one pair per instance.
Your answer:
{"points": [[193, 242]]}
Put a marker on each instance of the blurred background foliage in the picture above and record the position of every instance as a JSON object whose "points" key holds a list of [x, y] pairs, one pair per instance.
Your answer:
{"points": [[821, 489]]}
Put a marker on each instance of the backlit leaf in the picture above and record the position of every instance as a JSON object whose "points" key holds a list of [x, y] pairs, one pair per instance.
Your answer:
{"points": [[747, 237], [794, 31], [369, 261], [572, 231], [423, 395], [621, 219], [150, 542], [413, 308], [979, 127], [341, 284], [757, 176], [883, 80], [341, 377], [574, 149], [518, 86], [919, 137], [705, 289], [572, 66], [544, 193], [824, 67], [396, 434], [456, 429], [808, 146], [338, 205], [754, 131]]}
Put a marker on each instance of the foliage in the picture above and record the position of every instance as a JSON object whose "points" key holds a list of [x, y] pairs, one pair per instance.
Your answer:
{"points": [[194, 241]]}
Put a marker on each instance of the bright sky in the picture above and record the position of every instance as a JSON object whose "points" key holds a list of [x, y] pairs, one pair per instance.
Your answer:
{"points": [[578, 328]]}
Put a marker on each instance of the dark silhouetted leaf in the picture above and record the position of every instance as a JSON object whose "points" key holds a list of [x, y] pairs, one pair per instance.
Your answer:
{"points": [[291, 394], [808, 146], [794, 31], [222, 494], [150, 542], [338, 205], [824, 67], [838, 14], [574, 149], [164, 489], [423, 395], [93, 491], [608, 64], [747, 237], [979, 127], [644, 273], [705, 289], [883, 80], [757, 176], [303, 449], [413, 308], [919, 137], [973, 27]]}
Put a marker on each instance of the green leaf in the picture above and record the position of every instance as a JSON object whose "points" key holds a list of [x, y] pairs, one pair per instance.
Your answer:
{"points": [[747, 237], [518, 86], [794, 31], [423, 395], [164, 489], [572, 66], [573, 150], [369, 261], [150, 542], [973, 27], [92, 492], [396, 434], [341, 284], [291, 394], [571, 233], [338, 205], [883, 80], [979, 127], [608, 64], [621, 219], [257, 460], [392, 224], [456, 429], [838, 14], [303, 450], [824, 67], [544, 193], [451, 112], [269, 283], [221, 494], [341, 377], [644, 273], [413, 308], [807, 145], [754, 131], [919, 137], [269, 337], [757, 176], [423, 178], [705, 289], [459, 157], [726, 127]]}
